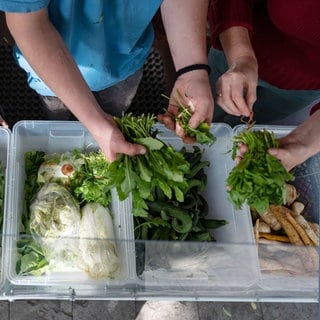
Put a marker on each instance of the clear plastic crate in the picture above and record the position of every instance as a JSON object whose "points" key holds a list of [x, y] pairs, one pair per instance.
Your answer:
{"points": [[56, 137], [227, 263], [290, 267], [5, 136], [230, 261], [228, 269]]}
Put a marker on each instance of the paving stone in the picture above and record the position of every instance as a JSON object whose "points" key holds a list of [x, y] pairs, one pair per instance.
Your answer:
{"points": [[168, 310], [4, 310], [229, 310], [103, 310], [290, 311], [40, 310]]}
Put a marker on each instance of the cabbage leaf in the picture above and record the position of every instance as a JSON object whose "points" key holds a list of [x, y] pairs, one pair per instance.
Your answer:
{"points": [[55, 222], [97, 242]]}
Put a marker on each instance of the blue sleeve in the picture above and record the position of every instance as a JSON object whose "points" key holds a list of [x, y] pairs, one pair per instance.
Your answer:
{"points": [[23, 5]]}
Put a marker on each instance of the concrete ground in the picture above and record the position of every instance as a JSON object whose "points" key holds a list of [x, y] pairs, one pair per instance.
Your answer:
{"points": [[155, 310]]}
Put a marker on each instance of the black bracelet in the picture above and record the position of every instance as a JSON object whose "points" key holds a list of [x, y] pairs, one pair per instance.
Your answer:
{"points": [[192, 67]]}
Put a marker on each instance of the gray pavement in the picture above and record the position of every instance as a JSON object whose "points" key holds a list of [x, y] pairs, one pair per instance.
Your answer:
{"points": [[155, 310]]}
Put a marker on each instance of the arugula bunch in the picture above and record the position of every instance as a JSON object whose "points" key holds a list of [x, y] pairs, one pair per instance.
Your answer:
{"points": [[259, 179], [161, 166]]}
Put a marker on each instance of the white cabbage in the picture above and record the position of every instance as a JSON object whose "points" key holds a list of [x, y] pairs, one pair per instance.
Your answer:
{"points": [[55, 222], [97, 245]]}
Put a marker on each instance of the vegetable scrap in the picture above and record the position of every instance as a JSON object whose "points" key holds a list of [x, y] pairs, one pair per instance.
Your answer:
{"points": [[226, 312], [259, 179], [253, 305], [202, 133]]}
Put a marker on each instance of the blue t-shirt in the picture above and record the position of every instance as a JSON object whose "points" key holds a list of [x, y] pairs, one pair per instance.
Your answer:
{"points": [[109, 39]]}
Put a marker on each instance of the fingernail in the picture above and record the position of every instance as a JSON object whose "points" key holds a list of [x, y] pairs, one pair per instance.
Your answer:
{"points": [[273, 152]]}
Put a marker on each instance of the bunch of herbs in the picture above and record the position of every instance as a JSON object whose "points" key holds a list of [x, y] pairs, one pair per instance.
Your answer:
{"points": [[138, 175], [259, 178]]}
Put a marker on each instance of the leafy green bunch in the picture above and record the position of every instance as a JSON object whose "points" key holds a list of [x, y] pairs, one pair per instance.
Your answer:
{"points": [[161, 166], [202, 133], [259, 179], [90, 184], [169, 219]]}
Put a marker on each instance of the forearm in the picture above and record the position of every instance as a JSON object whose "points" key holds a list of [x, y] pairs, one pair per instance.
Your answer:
{"points": [[236, 45], [185, 25], [46, 52], [229, 13]]}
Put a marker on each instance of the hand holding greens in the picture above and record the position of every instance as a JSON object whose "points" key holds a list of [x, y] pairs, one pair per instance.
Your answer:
{"points": [[138, 175], [184, 113], [259, 179]]}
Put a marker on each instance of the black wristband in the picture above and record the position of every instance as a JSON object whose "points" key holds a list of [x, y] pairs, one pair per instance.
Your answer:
{"points": [[192, 67]]}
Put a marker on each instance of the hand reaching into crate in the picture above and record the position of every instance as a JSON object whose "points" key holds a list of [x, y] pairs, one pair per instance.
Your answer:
{"points": [[296, 147], [300, 144]]}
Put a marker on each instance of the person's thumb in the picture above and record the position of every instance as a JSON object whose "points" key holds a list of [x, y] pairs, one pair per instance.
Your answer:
{"points": [[130, 149], [274, 152], [280, 154]]}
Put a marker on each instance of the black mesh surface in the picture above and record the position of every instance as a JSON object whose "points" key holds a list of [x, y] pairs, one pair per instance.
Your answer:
{"points": [[19, 102], [148, 98]]}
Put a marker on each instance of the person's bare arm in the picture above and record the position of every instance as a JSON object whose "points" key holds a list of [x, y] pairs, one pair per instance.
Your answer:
{"points": [[46, 52], [236, 88], [185, 25]]}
